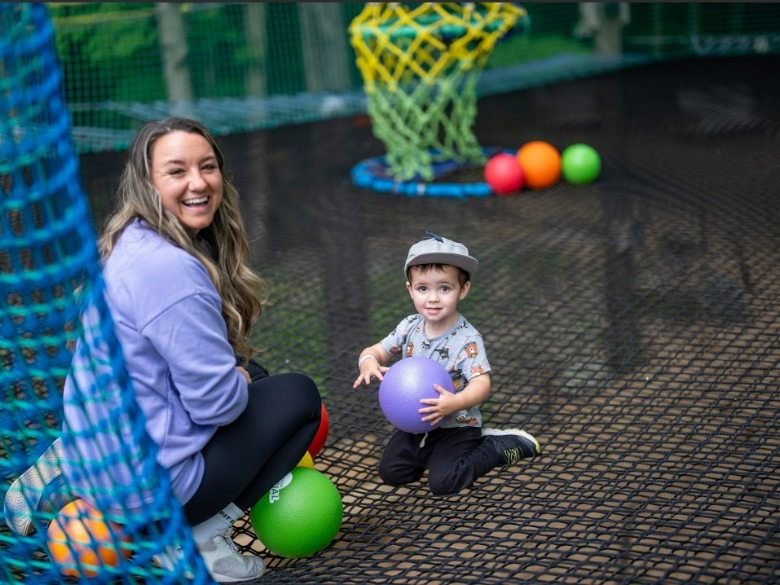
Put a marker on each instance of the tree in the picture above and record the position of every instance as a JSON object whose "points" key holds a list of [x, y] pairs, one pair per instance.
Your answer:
{"points": [[324, 41], [254, 31], [173, 46]]}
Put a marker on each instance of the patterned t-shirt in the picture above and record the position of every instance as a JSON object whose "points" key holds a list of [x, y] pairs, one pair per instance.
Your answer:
{"points": [[460, 350]]}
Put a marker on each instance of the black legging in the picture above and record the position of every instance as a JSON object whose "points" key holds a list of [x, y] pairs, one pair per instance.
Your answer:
{"points": [[247, 457]]}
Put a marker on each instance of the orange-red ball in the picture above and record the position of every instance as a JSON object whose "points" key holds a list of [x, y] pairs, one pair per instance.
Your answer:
{"points": [[322, 434], [541, 164], [81, 541], [504, 174]]}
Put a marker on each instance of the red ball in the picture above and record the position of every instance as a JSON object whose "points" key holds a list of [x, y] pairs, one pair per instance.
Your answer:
{"points": [[504, 174], [322, 434]]}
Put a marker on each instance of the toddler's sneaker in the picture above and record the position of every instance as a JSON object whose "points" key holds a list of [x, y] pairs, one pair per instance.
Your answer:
{"points": [[223, 561], [25, 497], [512, 444]]}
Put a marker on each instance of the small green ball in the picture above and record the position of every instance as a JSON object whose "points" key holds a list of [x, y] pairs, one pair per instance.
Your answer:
{"points": [[581, 164], [300, 515]]}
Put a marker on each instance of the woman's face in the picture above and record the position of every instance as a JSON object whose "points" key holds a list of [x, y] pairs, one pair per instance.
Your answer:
{"points": [[186, 173]]}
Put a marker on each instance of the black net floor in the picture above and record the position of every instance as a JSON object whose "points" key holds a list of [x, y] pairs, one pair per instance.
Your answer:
{"points": [[632, 324]]}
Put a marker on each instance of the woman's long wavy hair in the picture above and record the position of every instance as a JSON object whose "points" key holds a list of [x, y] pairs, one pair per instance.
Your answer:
{"points": [[223, 247]]}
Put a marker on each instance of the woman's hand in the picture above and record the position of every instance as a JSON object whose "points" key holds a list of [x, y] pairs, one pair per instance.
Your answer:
{"points": [[245, 374]]}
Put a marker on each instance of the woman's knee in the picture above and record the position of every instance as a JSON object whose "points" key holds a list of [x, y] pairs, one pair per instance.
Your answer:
{"points": [[308, 394], [302, 385], [282, 400], [294, 388]]}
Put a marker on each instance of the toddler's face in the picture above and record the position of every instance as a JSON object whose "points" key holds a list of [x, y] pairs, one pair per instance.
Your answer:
{"points": [[435, 293]]}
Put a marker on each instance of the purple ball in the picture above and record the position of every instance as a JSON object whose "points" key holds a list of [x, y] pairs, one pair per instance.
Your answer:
{"points": [[404, 385]]}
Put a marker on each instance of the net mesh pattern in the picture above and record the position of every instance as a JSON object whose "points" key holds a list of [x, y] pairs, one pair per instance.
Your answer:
{"points": [[631, 325]]}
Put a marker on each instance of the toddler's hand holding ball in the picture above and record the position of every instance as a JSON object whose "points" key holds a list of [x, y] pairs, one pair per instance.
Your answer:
{"points": [[440, 407]]}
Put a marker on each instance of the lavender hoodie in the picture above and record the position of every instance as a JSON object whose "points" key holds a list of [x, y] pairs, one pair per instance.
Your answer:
{"points": [[168, 320]]}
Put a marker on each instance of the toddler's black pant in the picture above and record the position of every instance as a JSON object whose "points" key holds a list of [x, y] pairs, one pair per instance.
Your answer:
{"points": [[454, 457]]}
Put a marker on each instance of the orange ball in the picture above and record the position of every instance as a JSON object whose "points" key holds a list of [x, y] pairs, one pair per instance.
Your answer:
{"points": [[81, 541], [541, 164]]}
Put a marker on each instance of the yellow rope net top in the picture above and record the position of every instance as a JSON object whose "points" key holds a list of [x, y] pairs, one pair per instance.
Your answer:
{"points": [[400, 42]]}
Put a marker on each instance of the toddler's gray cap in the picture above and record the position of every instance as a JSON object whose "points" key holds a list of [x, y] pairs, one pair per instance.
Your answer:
{"points": [[437, 250]]}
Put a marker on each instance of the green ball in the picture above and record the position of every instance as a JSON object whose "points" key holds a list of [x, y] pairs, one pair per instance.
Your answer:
{"points": [[300, 515], [581, 164]]}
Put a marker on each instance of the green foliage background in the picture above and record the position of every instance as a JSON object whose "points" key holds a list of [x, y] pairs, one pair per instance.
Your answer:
{"points": [[113, 67]]}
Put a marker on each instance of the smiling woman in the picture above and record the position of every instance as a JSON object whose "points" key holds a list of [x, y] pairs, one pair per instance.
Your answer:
{"points": [[183, 298], [183, 316], [174, 160]]}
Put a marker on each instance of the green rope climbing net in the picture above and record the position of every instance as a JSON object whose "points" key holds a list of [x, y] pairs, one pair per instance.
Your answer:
{"points": [[420, 65]]}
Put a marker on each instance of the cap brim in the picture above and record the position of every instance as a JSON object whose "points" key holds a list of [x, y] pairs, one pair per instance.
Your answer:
{"points": [[467, 263]]}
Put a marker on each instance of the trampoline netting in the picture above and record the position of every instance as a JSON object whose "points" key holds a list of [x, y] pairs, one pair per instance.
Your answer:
{"points": [[632, 325]]}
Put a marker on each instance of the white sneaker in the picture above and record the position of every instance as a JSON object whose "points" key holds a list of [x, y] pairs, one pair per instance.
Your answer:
{"points": [[226, 564], [25, 496], [171, 557], [223, 561]]}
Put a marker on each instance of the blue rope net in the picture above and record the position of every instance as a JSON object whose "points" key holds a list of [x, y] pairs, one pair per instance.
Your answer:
{"points": [[51, 297]]}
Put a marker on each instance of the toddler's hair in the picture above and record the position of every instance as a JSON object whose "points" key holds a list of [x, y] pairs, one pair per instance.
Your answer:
{"points": [[463, 276]]}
